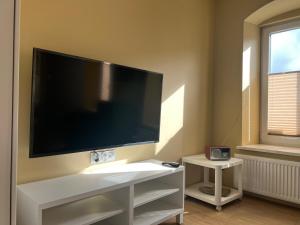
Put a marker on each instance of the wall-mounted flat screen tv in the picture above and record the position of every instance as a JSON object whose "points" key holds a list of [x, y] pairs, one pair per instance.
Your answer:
{"points": [[81, 104]]}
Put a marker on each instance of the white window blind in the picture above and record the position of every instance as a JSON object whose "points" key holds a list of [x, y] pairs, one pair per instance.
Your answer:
{"points": [[284, 104]]}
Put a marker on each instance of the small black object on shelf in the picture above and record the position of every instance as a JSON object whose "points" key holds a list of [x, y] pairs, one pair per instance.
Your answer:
{"points": [[171, 164]]}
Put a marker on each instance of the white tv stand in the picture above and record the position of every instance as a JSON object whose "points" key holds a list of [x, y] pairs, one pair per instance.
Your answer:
{"points": [[143, 193]]}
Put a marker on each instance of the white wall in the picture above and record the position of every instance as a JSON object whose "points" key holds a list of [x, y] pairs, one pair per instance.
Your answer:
{"points": [[6, 82]]}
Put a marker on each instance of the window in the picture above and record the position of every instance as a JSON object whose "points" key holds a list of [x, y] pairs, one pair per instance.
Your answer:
{"points": [[280, 89]]}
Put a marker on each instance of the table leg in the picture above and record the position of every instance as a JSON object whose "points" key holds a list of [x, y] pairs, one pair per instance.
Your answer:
{"points": [[218, 187], [179, 218], [239, 177], [184, 164], [206, 175]]}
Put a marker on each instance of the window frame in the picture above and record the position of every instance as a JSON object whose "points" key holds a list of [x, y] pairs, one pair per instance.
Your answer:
{"points": [[266, 138]]}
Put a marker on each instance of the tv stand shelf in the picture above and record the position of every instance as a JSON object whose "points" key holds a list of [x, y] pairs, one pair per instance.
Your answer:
{"points": [[143, 193], [86, 211]]}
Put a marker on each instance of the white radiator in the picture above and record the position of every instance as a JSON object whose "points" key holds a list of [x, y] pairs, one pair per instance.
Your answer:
{"points": [[274, 178]]}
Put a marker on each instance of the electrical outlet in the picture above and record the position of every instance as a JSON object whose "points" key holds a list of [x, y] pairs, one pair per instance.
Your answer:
{"points": [[99, 156]]}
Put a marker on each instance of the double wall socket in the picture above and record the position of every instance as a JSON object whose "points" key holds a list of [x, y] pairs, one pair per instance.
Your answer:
{"points": [[100, 156]]}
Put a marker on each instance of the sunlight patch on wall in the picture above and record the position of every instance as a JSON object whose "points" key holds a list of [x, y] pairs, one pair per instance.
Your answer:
{"points": [[246, 68], [172, 113], [131, 169], [95, 169]]}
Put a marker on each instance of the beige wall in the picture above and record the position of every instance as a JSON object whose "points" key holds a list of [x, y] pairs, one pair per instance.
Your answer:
{"points": [[227, 81], [250, 84], [273, 9], [273, 13], [233, 117], [171, 36], [227, 101], [236, 97], [294, 14]]}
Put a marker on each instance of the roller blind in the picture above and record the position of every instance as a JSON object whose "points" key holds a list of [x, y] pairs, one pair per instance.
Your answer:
{"points": [[284, 104]]}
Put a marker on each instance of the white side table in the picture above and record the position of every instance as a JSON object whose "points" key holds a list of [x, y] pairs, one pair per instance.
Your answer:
{"points": [[218, 166]]}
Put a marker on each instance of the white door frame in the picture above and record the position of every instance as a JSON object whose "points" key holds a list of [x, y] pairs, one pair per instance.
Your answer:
{"points": [[15, 128], [15, 112], [6, 103], [9, 70]]}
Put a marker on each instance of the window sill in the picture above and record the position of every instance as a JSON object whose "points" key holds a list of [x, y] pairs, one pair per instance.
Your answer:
{"points": [[280, 150]]}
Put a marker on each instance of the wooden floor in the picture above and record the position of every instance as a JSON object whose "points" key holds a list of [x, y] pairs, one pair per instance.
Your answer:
{"points": [[249, 211]]}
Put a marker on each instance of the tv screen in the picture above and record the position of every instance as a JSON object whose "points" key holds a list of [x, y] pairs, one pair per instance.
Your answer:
{"points": [[80, 104]]}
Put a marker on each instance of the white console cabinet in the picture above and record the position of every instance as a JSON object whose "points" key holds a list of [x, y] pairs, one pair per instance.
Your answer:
{"points": [[143, 193]]}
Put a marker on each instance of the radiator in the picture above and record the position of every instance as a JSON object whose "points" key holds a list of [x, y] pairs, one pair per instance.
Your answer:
{"points": [[274, 178]]}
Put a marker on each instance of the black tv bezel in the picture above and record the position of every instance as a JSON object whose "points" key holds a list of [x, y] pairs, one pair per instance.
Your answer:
{"points": [[33, 95]]}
